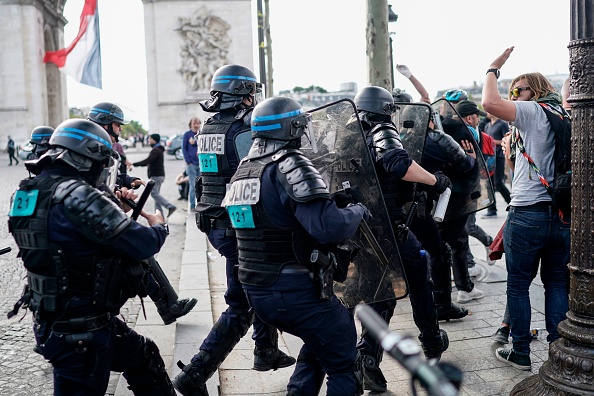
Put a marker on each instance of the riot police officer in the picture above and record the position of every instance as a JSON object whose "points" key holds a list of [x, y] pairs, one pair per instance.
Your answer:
{"points": [[280, 209], [169, 306], [75, 244], [40, 137], [233, 95], [395, 170]]}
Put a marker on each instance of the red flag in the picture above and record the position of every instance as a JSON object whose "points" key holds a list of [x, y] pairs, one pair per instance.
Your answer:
{"points": [[82, 58]]}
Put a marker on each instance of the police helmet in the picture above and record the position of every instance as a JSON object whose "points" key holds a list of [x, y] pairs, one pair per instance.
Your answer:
{"points": [[281, 118], [230, 84], [455, 95], [40, 137], [84, 138], [401, 97], [105, 113], [375, 100]]}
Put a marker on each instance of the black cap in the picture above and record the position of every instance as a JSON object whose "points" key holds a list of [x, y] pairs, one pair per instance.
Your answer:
{"points": [[468, 107], [156, 137]]}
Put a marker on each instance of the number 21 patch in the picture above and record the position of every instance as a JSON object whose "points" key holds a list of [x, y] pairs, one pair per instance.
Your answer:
{"points": [[241, 216], [23, 203]]}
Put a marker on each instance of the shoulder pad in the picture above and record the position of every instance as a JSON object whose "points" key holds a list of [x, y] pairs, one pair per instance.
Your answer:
{"points": [[301, 179], [93, 213], [385, 138]]}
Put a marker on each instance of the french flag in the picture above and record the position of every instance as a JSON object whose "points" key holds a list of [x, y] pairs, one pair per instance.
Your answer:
{"points": [[82, 58]]}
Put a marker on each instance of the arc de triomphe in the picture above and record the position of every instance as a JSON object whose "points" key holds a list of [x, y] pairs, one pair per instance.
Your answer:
{"points": [[186, 41]]}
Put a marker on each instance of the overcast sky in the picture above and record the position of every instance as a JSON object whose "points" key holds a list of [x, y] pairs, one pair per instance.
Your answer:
{"points": [[322, 42]]}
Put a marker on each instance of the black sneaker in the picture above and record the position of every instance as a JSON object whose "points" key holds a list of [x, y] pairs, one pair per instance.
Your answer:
{"points": [[171, 210], [449, 311], [489, 215], [521, 362], [433, 350], [266, 359], [501, 335]]}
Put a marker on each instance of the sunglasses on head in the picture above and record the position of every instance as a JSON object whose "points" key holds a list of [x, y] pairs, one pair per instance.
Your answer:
{"points": [[517, 91]]}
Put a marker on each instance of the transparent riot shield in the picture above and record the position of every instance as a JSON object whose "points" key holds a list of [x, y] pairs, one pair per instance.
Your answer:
{"points": [[472, 190], [412, 122], [343, 159], [242, 142]]}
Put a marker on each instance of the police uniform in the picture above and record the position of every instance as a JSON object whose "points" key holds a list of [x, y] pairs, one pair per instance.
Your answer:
{"points": [[375, 106], [218, 160], [279, 207], [74, 242]]}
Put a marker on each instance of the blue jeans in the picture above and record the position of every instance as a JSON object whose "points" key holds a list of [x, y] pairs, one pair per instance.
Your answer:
{"points": [[192, 170], [530, 238]]}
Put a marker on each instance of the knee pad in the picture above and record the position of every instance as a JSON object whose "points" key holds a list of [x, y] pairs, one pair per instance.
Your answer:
{"points": [[151, 378]]}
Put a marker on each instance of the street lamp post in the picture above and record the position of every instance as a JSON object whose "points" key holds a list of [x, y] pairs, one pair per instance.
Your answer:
{"points": [[569, 369]]}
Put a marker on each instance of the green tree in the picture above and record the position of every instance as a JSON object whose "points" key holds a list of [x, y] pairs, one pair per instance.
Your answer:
{"points": [[132, 129]]}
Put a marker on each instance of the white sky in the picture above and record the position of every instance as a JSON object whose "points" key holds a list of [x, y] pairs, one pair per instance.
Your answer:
{"points": [[322, 42]]}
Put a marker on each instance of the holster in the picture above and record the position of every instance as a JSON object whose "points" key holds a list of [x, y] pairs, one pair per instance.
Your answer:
{"points": [[323, 272], [203, 222]]}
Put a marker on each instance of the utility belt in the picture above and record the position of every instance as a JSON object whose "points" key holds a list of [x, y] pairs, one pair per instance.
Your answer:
{"points": [[206, 223], [82, 325]]}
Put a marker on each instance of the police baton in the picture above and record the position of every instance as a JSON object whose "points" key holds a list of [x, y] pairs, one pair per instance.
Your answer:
{"points": [[407, 352], [137, 208], [5, 250]]}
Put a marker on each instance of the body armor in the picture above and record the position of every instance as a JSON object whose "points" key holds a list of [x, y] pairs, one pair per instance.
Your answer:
{"points": [[396, 192], [215, 170], [54, 276], [264, 248]]}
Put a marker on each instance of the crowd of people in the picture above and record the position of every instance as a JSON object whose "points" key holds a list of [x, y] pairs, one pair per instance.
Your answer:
{"points": [[259, 193]]}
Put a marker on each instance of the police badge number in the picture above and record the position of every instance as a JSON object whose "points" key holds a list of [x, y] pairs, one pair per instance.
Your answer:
{"points": [[238, 202], [23, 203]]}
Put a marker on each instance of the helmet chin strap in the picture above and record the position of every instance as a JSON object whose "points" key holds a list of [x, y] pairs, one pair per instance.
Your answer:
{"points": [[112, 133]]}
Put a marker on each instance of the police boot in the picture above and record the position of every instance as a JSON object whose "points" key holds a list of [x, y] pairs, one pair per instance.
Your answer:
{"points": [[190, 382], [448, 311], [373, 378], [169, 312], [271, 358], [434, 345]]}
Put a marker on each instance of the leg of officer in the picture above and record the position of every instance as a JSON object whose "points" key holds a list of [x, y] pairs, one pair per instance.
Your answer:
{"points": [[325, 326], [140, 361]]}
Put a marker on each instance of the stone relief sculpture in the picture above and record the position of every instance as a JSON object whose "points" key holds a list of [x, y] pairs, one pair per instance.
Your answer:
{"points": [[206, 45]]}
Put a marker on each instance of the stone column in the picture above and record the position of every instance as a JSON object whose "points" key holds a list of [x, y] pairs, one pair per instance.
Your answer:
{"points": [[569, 369]]}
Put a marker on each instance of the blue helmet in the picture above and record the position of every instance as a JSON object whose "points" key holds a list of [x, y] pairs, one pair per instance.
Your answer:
{"points": [[230, 84], [83, 137], [455, 95], [280, 118], [105, 113]]}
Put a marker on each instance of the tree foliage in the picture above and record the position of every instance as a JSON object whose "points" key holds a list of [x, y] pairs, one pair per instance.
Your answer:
{"points": [[311, 88]]}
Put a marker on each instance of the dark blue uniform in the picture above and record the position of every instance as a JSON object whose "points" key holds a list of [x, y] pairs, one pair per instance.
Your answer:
{"points": [[292, 301], [83, 340], [391, 167]]}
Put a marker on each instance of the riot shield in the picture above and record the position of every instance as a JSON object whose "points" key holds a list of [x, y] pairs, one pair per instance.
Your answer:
{"points": [[471, 191], [343, 159], [412, 122]]}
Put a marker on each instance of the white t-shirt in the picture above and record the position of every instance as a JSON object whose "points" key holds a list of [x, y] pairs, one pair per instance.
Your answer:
{"points": [[539, 141]]}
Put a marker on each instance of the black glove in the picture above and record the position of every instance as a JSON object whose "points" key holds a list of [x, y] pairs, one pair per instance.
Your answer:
{"points": [[342, 199], [442, 183]]}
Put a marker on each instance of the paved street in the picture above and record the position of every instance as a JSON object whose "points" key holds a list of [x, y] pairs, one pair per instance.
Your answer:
{"points": [[198, 272]]}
